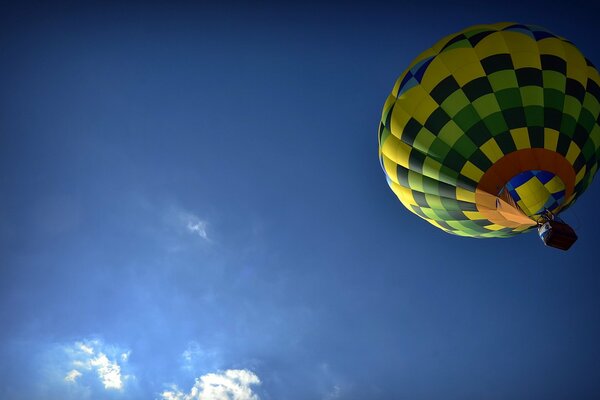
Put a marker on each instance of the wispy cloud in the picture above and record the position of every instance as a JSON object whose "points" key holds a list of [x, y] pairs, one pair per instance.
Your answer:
{"points": [[194, 355], [93, 356], [232, 384], [196, 226]]}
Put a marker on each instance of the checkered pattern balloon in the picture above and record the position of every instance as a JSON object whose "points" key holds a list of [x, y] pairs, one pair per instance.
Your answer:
{"points": [[490, 127]]}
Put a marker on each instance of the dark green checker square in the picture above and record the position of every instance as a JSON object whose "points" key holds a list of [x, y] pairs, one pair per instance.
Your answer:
{"points": [[444, 89], [454, 160], [416, 159], [402, 174], [465, 146], [593, 88], [438, 150], [554, 63], [564, 142], [509, 98], [466, 118], [515, 117], [567, 125], [448, 176], [554, 99], [496, 123], [437, 120], [479, 133], [430, 186], [480, 160], [580, 136], [575, 89], [466, 183], [536, 136], [449, 191], [534, 115], [477, 87], [497, 62], [552, 118], [410, 131], [506, 142], [529, 77], [420, 199]]}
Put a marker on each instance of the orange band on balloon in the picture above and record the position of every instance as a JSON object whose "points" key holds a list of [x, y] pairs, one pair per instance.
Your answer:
{"points": [[498, 175]]}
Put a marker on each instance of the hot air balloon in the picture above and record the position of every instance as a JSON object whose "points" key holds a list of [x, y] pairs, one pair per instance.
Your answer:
{"points": [[493, 132]]}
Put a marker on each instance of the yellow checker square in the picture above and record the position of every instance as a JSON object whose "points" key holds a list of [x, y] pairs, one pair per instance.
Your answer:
{"points": [[465, 195], [573, 56], [473, 215], [554, 185], [573, 152], [387, 106], [494, 227], [491, 45], [593, 74], [550, 139], [403, 193], [516, 42], [410, 100], [390, 169], [579, 74], [434, 74], [526, 60], [396, 150], [457, 58], [398, 121], [551, 46], [471, 171], [424, 110], [468, 72], [486, 105], [492, 150], [521, 138]]}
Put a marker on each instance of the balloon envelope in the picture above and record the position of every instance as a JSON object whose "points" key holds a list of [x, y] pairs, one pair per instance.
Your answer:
{"points": [[490, 127]]}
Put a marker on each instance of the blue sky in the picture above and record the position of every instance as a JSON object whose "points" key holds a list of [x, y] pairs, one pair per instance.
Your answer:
{"points": [[191, 204]]}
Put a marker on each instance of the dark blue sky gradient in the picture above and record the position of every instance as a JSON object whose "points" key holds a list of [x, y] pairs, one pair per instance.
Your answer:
{"points": [[118, 119]]}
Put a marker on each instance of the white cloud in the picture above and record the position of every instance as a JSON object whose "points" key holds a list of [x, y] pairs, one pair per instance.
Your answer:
{"points": [[232, 384], [109, 372], [91, 356], [72, 375]]}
